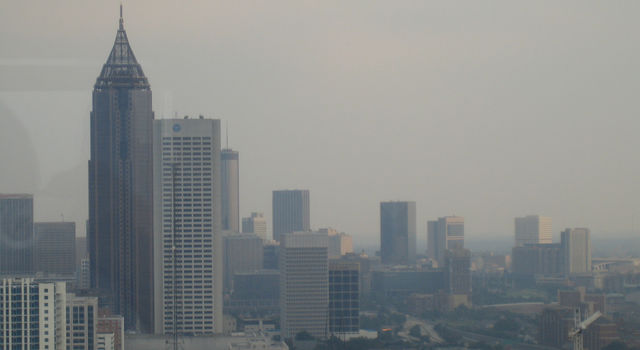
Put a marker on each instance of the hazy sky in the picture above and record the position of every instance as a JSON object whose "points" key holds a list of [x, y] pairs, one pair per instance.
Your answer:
{"points": [[484, 109]]}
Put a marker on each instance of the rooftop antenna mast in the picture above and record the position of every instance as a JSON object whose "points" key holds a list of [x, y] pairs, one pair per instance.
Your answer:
{"points": [[227, 137]]}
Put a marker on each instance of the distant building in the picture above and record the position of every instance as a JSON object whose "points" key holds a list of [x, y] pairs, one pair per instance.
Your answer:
{"points": [[344, 297], [390, 283], [555, 323], [188, 245], [105, 341], [576, 249], [17, 243], [535, 259], [340, 243], [533, 229], [271, 254], [56, 247], [255, 224], [457, 269], [37, 314], [398, 232], [242, 253], [83, 275], [256, 292], [230, 190], [291, 212], [444, 234], [82, 322], [304, 284]]}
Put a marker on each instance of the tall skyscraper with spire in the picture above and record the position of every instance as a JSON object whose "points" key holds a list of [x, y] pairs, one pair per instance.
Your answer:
{"points": [[120, 187]]}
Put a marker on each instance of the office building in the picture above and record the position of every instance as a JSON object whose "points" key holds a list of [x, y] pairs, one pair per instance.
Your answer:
{"points": [[389, 282], [255, 292], [105, 341], [242, 253], [120, 187], [230, 190], [271, 255], [33, 314], [17, 244], [188, 247], [446, 233], [291, 212], [340, 243], [576, 249], [255, 224], [457, 269], [55, 247], [304, 284], [533, 229], [82, 318], [535, 259], [83, 275], [398, 232], [344, 297]]}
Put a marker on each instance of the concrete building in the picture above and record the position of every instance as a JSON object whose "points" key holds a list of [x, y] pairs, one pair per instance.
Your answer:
{"points": [[398, 232], [340, 243], [255, 224], [444, 234], [291, 212], [242, 253], [576, 249], [112, 324], [344, 297], [230, 172], [17, 243], [105, 341], [83, 275], [536, 259], [120, 229], [271, 255], [304, 284], [33, 314], [555, 323], [256, 292], [82, 322], [389, 283], [188, 244], [55, 247], [533, 229]]}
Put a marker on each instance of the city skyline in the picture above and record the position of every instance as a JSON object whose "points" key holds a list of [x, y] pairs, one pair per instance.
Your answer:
{"points": [[539, 175]]}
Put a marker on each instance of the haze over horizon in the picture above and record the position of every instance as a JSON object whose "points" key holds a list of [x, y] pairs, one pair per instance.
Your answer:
{"points": [[484, 110]]}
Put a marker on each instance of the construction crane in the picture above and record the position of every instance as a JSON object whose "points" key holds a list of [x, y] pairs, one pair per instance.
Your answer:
{"points": [[577, 333]]}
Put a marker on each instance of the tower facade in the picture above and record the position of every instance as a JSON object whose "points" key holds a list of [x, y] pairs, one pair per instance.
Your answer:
{"points": [[291, 212], [187, 235], [576, 250], [446, 233], [397, 232], [255, 224], [120, 186], [56, 247], [17, 244], [230, 190], [533, 229]]}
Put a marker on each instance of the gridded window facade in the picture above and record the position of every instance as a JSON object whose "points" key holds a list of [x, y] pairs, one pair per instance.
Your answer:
{"points": [[188, 222], [344, 297]]}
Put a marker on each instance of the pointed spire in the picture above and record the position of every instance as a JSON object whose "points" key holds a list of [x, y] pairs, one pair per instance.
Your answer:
{"points": [[121, 19], [121, 67]]}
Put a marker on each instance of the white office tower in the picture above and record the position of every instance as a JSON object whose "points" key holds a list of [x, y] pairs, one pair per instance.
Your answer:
{"points": [[82, 322], [255, 224], [533, 229], [32, 315], [447, 233], [304, 284], [188, 257], [576, 250]]}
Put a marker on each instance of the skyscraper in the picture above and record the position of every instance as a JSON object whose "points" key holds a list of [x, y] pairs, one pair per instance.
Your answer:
{"points": [[242, 253], [397, 232], [290, 212], [230, 191], [120, 186], [56, 247], [344, 297], [187, 235], [576, 250], [533, 229], [304, 284], [447, 233], [17, 244], [255, 224]]}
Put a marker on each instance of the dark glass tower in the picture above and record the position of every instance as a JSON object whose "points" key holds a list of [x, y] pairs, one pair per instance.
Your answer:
{"points": [[397, 232], [121, 188]]}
